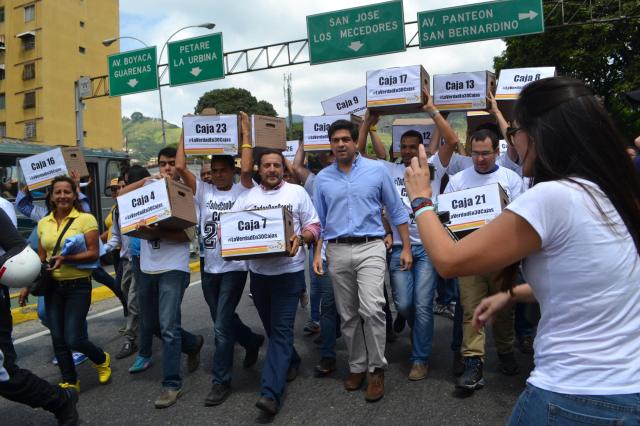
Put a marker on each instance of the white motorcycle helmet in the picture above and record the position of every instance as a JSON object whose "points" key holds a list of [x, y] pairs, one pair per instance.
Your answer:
{"points": [[21, 270]]}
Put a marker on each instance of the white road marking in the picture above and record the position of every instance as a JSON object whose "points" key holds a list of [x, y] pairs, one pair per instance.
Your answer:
{"points": [[90, 317]]}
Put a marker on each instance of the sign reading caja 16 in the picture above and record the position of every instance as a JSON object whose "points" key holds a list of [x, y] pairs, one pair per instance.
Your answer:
{"points": [[357, 32], [482, 21], [196, 59], [133, 71]]}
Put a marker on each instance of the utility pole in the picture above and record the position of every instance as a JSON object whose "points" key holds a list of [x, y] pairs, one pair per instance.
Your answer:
{"points": [[287, 98]]}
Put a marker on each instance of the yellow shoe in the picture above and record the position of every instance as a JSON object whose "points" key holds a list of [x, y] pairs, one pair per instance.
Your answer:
{"points": [[75, 385], [104, 370]]}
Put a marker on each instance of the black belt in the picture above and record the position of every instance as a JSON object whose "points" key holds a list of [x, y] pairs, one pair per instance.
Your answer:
{"points": [[354, 240], [86, 280]]}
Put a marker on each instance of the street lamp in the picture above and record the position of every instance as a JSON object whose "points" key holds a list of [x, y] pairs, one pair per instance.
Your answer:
{"points": [[207, 25], [110, 41]]}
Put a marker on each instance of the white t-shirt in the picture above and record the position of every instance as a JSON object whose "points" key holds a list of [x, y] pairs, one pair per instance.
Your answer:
{"points": [[470, 178], [8, 209], [210, 202], [587, 279], [310, 187], [397, 175], [460, 162], [297, 201], [160, 256]]}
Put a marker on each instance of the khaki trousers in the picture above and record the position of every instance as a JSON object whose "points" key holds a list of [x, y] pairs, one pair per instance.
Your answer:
{"points": [[357, 273], [472, 290]]}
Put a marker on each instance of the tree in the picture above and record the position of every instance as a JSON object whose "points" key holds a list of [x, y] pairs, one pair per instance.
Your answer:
{"points": [[604, 56], [232, 101], [137, 116]]}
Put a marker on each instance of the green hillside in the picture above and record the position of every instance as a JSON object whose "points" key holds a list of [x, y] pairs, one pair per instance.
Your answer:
{"points": [[144, 136]]}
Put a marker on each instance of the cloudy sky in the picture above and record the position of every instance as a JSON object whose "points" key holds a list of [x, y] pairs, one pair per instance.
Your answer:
{"points": [[252, 23]]}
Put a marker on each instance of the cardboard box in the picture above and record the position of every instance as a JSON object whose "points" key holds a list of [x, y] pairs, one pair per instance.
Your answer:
{"points": [[397, 90], [212, 134], [268, 132], [463, 90], [292, 148], [316, 130], [165, 202], [472, 208], [425, 126], [476, 119], [351, 102], [40, 169], [255, 234], [512, 81]]}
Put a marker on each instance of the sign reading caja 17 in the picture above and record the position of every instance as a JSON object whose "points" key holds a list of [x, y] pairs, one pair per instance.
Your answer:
{"points": [[133, 71], [482, 21], [357, 32], [196, 59]]}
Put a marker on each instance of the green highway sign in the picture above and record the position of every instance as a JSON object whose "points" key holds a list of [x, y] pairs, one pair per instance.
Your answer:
{"points": [[481, 21], [357, 32], [196, 59], [133, 71]]}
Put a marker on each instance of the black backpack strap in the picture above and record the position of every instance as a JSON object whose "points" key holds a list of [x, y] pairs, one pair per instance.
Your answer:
{"points": [[64, 231]]}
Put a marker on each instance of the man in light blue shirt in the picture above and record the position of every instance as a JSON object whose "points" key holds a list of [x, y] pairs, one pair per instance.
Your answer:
{"points": [[349, 196]]}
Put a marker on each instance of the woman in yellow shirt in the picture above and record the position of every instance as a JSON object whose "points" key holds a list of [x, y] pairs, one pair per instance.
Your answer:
{"points": [[67, 301]]}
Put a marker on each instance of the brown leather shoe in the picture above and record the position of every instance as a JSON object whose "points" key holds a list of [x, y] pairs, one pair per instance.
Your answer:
{"points": [[375, 385], [418, 371], [354, 381]]}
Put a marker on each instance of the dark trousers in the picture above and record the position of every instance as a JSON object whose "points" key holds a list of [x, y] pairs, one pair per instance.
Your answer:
{"points": [[67, 305], [276, 298], [222, 292], [23, 386]]}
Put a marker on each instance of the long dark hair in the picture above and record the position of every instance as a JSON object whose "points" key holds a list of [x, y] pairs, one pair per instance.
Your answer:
{"points": [[51, 206], [574, 137]]}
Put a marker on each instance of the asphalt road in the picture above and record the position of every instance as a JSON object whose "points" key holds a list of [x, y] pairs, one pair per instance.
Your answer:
{"points": [[128, 399]]}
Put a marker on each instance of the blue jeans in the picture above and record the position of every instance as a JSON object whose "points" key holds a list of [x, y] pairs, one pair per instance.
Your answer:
{"points": [[222, 293], [413, 295], [328, 313], [67, 305], [276, 299], [447, 289], [314, 293], [535, 405], [160, 297]]}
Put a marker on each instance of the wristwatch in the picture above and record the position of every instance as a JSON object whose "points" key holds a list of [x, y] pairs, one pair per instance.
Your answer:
{"points": [[421, 202], [433, 113]]}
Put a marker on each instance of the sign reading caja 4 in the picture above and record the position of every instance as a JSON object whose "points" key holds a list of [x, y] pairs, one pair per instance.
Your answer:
{"points": [[133, 71], [357, 32], [481, 21], [196, 59]]}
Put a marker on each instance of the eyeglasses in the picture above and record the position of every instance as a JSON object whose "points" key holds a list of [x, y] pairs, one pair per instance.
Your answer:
{"points": [[511, 132]]}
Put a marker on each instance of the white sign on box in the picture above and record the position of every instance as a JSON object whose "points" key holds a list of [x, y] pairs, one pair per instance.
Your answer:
{"points": [[252, 232], [40, 169], [472, 208], [316, 131], [351, 102], [292, 148], [460, 91], [149, 204], [512, 81], [394, 86], [426, 130], [210, 134]]}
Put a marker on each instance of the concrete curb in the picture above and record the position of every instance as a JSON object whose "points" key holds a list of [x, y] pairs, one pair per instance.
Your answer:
{"points": [[29, 312]]}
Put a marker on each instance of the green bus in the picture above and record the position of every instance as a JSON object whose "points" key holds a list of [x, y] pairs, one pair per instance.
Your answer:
{"points": [[103, 165]]}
